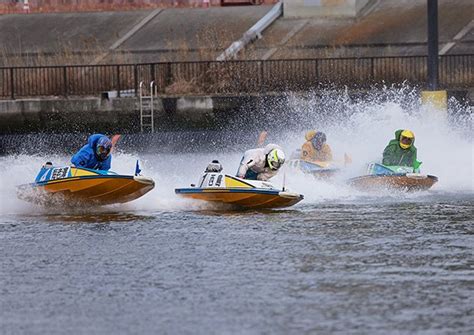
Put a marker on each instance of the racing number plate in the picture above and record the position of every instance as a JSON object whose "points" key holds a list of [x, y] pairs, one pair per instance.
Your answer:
{"points": [[60, 173]]}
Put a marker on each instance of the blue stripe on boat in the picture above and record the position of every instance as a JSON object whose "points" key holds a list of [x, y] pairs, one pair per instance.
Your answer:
{"points": [[226, 190]]}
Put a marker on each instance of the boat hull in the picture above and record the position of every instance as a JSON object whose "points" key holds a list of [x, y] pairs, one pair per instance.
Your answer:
{"points": [[409, 182], [244, 198], [98, 190], [323, 170]]}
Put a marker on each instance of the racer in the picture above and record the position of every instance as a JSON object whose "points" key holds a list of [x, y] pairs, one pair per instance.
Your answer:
{"points": [[315, 149], [261, 163], [95, 154], [401, 151]]}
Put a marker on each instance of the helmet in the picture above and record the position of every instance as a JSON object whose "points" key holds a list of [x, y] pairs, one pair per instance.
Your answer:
{"points": [[103, 147], [406, 139], [275, 159], [309, 135], [318, 140]]}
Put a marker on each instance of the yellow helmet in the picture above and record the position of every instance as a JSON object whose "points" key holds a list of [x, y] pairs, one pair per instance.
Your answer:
{"points": [[310, 134], [406, 139]]}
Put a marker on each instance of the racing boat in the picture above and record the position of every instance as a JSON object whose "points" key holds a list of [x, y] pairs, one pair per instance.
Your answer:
{"points": [[320, 170], [222, 188], [71, 186], [392, 177]]}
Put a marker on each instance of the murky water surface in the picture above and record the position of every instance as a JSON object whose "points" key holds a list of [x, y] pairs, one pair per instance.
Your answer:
{"points": [[339, 262], [351, 267]]}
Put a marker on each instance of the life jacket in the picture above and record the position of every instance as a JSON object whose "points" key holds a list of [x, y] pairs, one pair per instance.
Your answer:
{"points": [[310, 154]]}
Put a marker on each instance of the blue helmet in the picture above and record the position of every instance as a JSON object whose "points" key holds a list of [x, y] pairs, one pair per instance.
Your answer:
{"points": [[103, 148], [318, 140]]}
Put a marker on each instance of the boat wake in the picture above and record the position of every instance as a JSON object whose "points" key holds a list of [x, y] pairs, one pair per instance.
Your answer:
{"points": [[358, 128]]}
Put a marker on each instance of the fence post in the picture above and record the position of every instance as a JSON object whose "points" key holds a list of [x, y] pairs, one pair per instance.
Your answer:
{"points": [[316, 64], [65, 81], [372, 70], [118, 80], [152, 72], [12, 84], [135, 76], [169, 76]]}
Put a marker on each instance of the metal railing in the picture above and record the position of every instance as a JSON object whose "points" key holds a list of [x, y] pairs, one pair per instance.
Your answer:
{"points": [[231, 77]]}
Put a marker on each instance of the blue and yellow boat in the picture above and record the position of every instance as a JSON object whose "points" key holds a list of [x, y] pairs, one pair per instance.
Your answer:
{"points": [[243, 193], [72, 186], [319, 169]]}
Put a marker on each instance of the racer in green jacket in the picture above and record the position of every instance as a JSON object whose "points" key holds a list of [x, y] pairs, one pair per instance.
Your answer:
{"points": [[401, 150]]}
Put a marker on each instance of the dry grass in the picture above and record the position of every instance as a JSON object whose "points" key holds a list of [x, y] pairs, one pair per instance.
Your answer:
{"points": [[183, 86], [55, 6], [65, 54], [207, 44]]}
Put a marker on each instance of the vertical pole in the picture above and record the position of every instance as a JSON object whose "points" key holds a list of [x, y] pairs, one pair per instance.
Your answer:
{"points": [[118, 80], [26, 6], [135, 76], [152, 72], [316, 70], [12, 84], [152, 91], [141, 106], [65, 80], [169, 77], [433, 45], [437, 99], [372, 69]]}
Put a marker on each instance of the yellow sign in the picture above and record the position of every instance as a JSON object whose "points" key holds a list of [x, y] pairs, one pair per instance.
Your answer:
{"points": [[436, 99]]}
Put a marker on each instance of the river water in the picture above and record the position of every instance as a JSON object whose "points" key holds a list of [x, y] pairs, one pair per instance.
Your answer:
{"points": [[339, 262]]}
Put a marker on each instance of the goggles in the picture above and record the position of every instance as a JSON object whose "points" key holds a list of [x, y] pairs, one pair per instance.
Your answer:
{"points": [[273, 160], [274, 165], [406, 140], [103, 151]]}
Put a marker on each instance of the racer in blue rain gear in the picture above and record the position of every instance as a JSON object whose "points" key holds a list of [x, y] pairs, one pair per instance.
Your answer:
{"points": [[95, 154]]}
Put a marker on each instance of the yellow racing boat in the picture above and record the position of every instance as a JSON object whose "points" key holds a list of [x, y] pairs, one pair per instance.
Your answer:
{"points": [[72, 186], [225, 189]]}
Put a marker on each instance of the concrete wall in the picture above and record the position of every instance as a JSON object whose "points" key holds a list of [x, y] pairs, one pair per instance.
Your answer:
{"points": [[383, 28], [323, 8], [171, 113], [115, 114]]}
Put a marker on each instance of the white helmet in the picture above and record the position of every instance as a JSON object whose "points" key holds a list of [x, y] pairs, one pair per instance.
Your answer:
{"points": [[275, 159]]}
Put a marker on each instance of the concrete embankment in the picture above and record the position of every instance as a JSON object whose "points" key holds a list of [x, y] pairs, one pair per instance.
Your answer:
{"points": [[123, 114], [171, 113]]}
